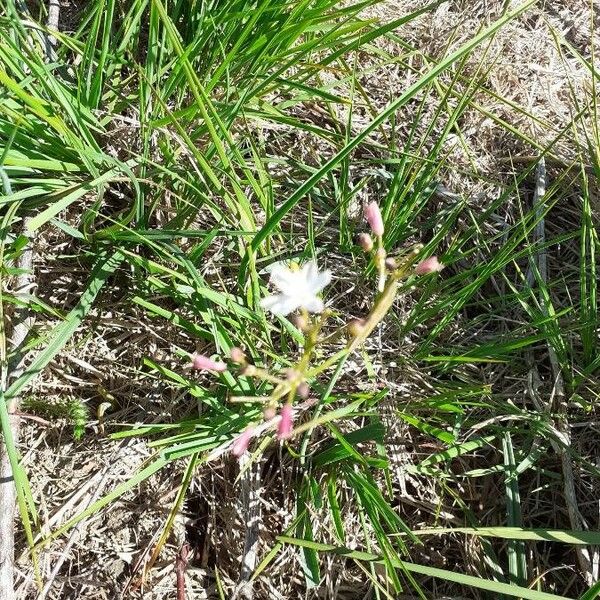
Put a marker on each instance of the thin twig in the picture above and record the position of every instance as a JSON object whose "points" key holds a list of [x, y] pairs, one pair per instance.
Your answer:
{"points": [[53, 18], [181, 563], [250, 500], [557, 399], [21, 323]]}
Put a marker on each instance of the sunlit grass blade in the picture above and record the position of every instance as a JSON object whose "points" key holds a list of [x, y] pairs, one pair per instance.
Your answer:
{"points": [[562, 536], [453, 576]]}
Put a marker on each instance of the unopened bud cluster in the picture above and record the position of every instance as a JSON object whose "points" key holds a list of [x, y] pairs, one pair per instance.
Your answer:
{"points": [[384, 263]]}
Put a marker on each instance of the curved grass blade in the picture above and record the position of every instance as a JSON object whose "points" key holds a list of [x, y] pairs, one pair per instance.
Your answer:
{"points": [[496, 587], [562, 536]]}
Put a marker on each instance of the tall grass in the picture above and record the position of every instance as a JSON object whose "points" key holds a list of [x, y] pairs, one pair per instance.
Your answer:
{"points": [[147, 142]]}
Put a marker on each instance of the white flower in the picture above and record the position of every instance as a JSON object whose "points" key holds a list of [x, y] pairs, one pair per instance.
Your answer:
{"points": [[298, 289]]}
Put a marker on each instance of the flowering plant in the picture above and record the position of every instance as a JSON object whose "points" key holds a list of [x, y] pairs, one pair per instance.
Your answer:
{"points": [[299, 290]]}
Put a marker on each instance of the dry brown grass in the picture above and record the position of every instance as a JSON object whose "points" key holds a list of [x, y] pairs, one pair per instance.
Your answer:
{"points": [[103, 365]]}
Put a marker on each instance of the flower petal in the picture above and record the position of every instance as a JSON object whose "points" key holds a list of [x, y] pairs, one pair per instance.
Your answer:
{"points": [[315, 279], [373, 216], [313, 304], [284, 279], [280, 304], [286, 424], [320, 281], [310, 270], [204, 363], [429, 265], [242, 441]]}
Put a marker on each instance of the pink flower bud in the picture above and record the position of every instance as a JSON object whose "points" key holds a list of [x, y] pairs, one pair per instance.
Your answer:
{"points": [[373, 216], [203, 363], [249, 370], [429, 265], [237, 355], [300, 321], [241, 442], [269, 413], [365, 241], [391, 264], [303, 390], [284, 430], [356, 327], [291, 374]]}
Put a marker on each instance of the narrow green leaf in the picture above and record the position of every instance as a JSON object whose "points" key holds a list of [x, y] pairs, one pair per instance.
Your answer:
{"points": [[104, 268], [466, 580], [563, 536]]}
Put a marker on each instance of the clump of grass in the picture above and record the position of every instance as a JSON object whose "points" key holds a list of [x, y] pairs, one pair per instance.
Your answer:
{"points": [[71, 409], [181, 147]]}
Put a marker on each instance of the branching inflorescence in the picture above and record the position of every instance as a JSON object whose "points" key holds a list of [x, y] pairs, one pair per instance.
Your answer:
{"points": [[299, 293]]}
